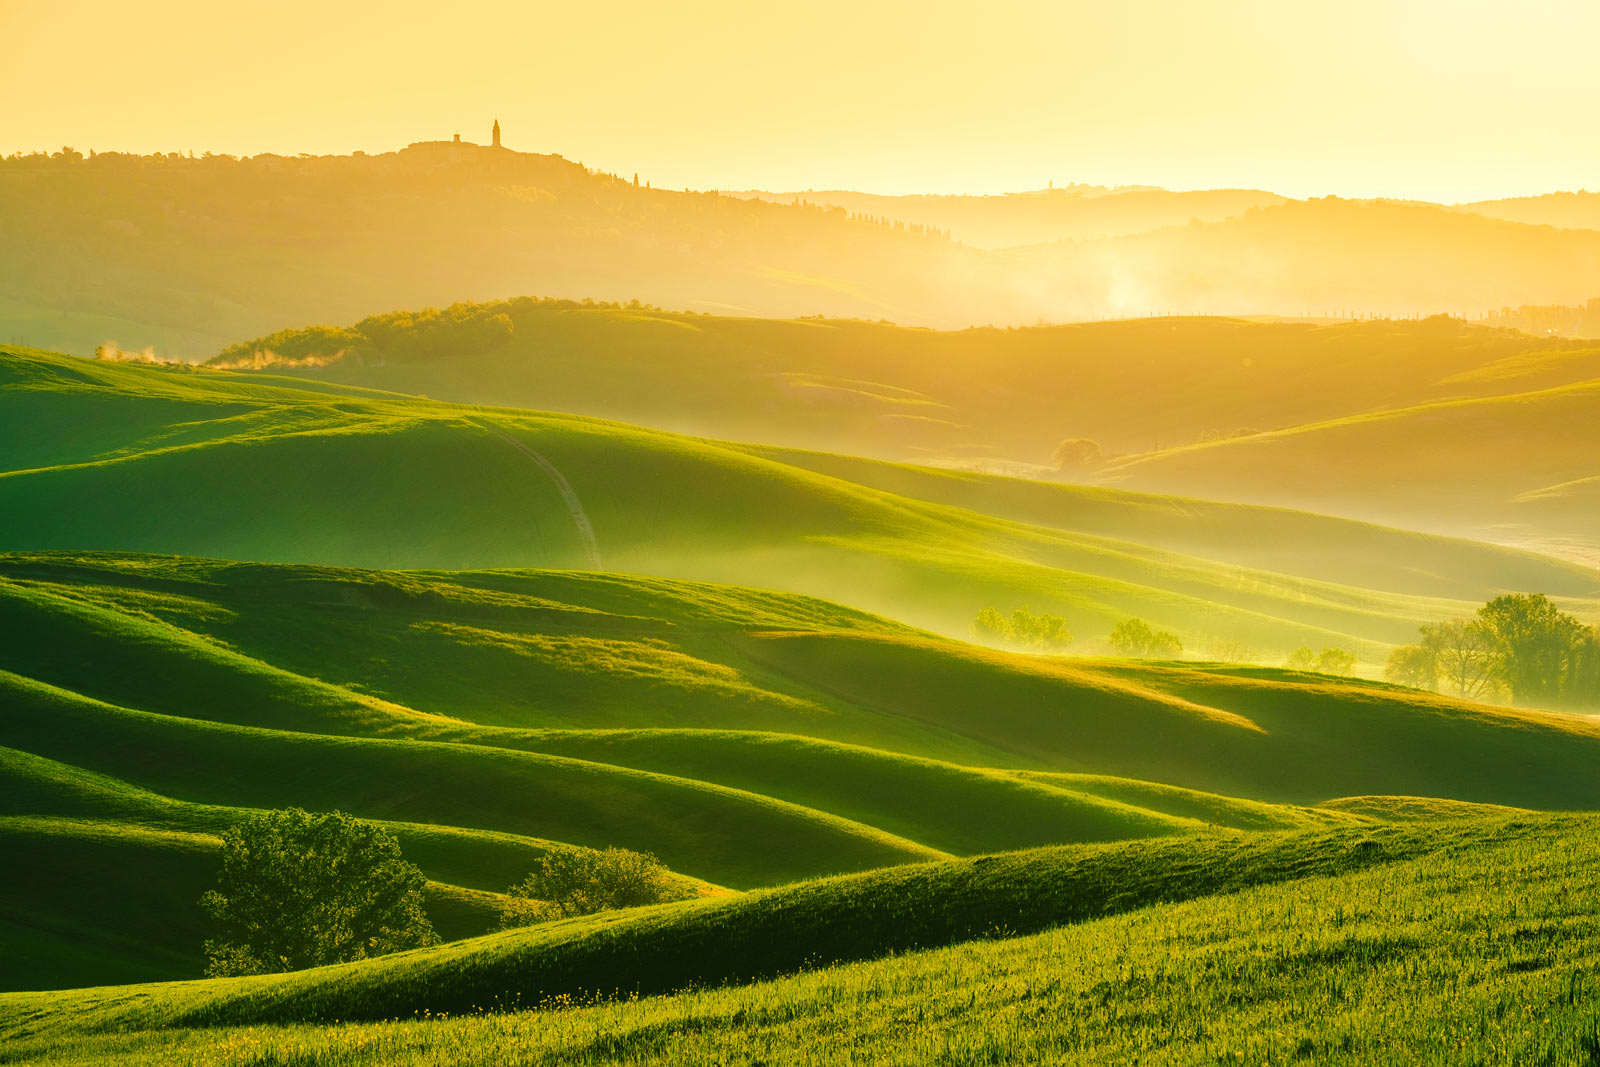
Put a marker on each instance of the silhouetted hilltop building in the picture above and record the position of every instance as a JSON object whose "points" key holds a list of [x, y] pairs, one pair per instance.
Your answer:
{"points": [[457, 143]]}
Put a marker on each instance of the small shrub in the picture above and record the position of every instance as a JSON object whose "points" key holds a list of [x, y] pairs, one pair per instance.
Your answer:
{"points": [[581, 881]]}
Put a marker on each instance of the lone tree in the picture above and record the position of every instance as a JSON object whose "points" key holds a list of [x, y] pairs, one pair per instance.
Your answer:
{"points": [[300, 890], [1078, 454], [581, 881]]}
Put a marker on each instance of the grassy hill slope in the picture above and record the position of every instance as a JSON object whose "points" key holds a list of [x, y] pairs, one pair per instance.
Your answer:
{"points": [[748, 738], [1279, 539], [1513, 467], [681, 698], [754, 936], [1344, 948], [875, 389], [262, 468]]}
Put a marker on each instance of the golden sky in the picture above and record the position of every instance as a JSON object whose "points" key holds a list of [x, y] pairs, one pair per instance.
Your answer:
{"points": [[1434, 99]]}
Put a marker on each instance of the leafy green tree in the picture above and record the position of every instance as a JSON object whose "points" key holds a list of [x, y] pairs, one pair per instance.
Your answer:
{"points": [[1463, 653], [300, 890], [1519, 644], [1328, 661], [1582, 686], [1134, 637], [1130, 637], [1022, 629], [1164, 645], [1303, 658], [991, 626], [1534, 643], [1041, 631], [1412, 665], [1337, 661], [581, 881]]}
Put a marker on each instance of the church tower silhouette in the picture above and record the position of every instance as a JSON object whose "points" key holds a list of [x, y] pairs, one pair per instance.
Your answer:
{"points": [[494, 134]]}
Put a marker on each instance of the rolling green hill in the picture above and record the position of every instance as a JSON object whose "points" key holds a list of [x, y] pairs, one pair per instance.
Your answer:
{"points": [[1337, 947], [217, 464], [748, 738], [484, 703], [1003, 397]]}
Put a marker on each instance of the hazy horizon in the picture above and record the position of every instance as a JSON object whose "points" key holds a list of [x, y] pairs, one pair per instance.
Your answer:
{"points": [[1412, 100]]}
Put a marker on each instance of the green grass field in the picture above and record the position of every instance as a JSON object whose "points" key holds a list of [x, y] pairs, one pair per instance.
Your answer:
{"points": [[1489, 422], [748, 738], [1436, 943]]}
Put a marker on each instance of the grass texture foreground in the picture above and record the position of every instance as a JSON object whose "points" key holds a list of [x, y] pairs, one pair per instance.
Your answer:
{"points": [[1479, 950]]}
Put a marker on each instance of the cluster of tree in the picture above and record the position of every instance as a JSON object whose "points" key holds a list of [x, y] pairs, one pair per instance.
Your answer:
{"points": [[305, 346], [1519, 646], [1134, 637], [1339, 661], [462, 329], [1552, 320], [300, 890], [1022, 629], [582, 881], [918, 228]]}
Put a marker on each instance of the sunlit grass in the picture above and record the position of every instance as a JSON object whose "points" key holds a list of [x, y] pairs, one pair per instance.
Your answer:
{"points": [[1481, 954]]}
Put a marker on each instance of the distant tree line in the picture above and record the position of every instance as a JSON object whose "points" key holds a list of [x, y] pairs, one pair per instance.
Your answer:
{"points": [[1136, 638], [463, 329], [1519, 647], [1331, 660], [918, 228], [1023, 628]]}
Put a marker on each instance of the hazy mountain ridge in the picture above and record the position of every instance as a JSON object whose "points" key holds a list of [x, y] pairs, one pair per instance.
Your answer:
{"points": [[185, 254], [1012, 219], [892, 392]]}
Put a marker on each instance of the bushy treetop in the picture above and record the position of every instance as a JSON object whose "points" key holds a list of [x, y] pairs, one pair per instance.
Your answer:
{"points": [[301, 890]]}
